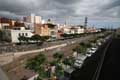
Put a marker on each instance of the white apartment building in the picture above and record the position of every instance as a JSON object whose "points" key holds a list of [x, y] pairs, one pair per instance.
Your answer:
{"points": [[66, 30], [13, 34], [4, 25], [73, 30], [80, 30], [33, 19]]}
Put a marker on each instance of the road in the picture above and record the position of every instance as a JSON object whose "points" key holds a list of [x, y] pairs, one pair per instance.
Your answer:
{"points": [[104, 65], [90, 65], [111, 66]]}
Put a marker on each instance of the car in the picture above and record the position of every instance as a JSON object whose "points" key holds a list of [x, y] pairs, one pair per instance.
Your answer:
{"points": [[68, 73], [79, 61], [77, 65], [99, 43], [81, 57], [51, 39], [88, 54], [92, 50]]}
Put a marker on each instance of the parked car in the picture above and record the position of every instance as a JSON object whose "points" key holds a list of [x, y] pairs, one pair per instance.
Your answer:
{"points": [[88, 54], [68, 73], [91, 51], [94, 48], [99, 43], [77, 65], [79, 61]]}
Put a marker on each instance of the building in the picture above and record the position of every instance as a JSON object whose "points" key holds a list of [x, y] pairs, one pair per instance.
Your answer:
{"points": [[33, 19], [91, 30], [6, 23], [52, 30], [73, 30], [12, 35], [46, 30], [66, 30], [42, 30], [80, 29], [59, 33]]}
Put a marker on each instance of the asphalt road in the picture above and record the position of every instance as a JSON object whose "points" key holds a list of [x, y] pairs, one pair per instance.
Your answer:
{"points": [[90, 65], [111, 65], [110, 68]]}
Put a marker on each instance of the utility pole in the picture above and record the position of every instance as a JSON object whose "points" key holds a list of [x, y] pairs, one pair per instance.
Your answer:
{"points": [[67, 19], [86, 21]]}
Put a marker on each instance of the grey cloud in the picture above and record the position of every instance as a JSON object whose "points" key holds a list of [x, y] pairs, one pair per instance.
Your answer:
{"points": [[110, 10], [67, 1], [54, 8], [114, 3], [9, 15], [43, 8]]}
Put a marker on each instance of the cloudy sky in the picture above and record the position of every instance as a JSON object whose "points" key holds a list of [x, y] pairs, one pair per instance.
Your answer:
{"points": [[100, 12]]}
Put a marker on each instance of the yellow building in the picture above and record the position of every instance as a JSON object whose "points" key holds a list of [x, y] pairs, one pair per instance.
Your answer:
{"points": [[42, 29]]}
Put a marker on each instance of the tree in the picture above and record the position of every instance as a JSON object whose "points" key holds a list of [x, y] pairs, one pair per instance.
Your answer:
{"points": [[1, 35], [36, 64], [51, 25], [82, 44], [88, 45], [80, 49], [23, 39], [44, 38], [58, 56], [36, 38], [59, 71], [68, 61]]}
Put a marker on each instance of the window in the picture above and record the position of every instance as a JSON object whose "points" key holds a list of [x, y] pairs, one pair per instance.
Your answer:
{"points": [[22, 34], [26, 34], [19, 34], [52, 33]]}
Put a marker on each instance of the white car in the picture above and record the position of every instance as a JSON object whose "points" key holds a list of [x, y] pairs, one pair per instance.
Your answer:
{"points": [[99, 43], [92, 50], [77, 65], [79, 61], [88, 54], [81, 57]]}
